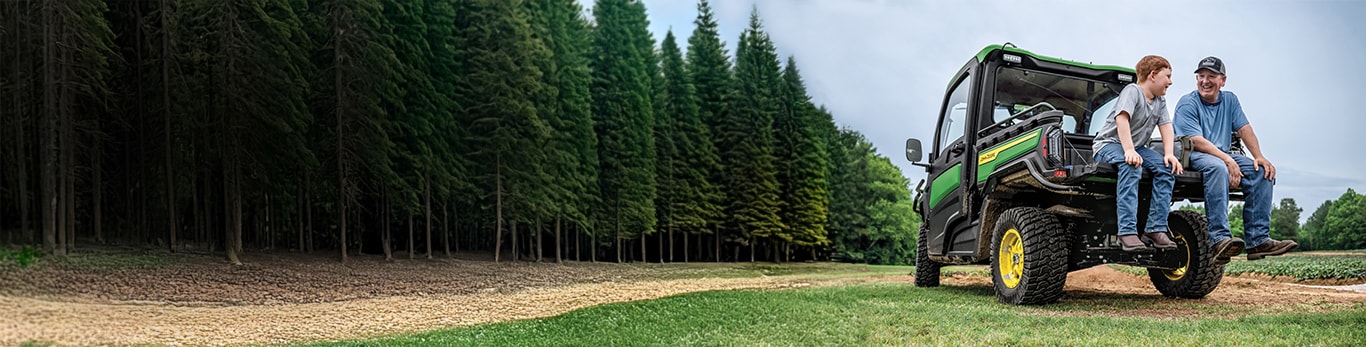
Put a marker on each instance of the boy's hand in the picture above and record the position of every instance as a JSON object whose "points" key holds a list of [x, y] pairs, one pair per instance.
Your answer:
{"points": [[1174, 164], [1131, 157]]}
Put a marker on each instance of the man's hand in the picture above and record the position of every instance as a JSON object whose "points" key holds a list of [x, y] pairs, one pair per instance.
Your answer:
{"points": [[1132, 158], [1263, 163], [1174, 164], [1235, 174]]}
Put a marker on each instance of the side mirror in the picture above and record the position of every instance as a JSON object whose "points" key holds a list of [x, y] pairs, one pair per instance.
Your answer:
{"points": [[913, 153]]}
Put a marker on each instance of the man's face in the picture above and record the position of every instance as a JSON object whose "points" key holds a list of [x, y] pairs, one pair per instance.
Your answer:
{"points": [[1163, 79], [1208, 83]]}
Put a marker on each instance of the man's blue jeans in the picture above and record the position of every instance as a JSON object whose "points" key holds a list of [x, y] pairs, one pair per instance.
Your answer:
{"points": [[1256, 198], [1126, 190]]}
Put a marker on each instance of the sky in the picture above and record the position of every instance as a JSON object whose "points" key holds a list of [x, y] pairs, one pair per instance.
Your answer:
{"points": [[882, 67]]}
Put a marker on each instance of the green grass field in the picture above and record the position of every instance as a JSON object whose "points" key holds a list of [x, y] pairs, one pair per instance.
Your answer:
{"points": [[882, 314], [900, 314]]}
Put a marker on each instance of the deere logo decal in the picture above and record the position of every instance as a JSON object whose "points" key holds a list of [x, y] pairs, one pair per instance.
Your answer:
{"points": [[990, 155]]}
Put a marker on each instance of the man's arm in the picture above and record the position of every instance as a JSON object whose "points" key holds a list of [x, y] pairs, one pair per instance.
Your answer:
{"points": [[1258, 161], [1235, 175]]}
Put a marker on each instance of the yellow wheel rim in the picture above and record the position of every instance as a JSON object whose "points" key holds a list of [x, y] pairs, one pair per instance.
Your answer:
{"points": [[1177, 274], [1011, 258]]}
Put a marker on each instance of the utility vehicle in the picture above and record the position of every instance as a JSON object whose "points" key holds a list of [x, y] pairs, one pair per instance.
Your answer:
{"points": [[1012, 182]]}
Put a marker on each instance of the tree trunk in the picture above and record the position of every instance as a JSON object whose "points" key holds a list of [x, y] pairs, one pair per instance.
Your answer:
{"points": [[515, 249], [643, 259], [558, 258], [308, 209], [671, 244], [50, 134], [498, 207], [446, 226], [98, 188], [166, 108], [539, 250], [385, 221], [299, 215], [411, 251], [717, 235], [426, 183], [340, 104]]}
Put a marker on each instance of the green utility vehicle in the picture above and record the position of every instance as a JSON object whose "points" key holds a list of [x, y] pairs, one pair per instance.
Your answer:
{"points": [[1012, 182]]}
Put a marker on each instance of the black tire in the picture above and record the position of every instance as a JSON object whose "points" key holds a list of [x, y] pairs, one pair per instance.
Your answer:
{"points": [[926, 270], [1036, 257], [1200, 276]]}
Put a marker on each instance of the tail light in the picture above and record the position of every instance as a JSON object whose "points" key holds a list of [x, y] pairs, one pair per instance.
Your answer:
{"points": [[1052, 147]]}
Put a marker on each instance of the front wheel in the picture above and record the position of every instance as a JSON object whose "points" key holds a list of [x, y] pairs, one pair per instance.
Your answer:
{"points": [[926, 270], [1200, 275], [1028, 257]]}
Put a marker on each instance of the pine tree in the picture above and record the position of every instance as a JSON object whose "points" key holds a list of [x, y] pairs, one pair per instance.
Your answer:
{"points": [[850, 196], [1314, 224], [691, 198], [801, 158], [709, 71], [622, 91], [358, 79], [747, 140], [499, 82], [572, 160]]}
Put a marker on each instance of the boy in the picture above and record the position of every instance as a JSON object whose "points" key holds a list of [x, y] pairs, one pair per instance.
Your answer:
{"points": [[1123, 142]]}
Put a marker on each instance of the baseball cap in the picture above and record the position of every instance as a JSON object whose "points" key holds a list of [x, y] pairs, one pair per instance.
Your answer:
{"points": [[1211, 63]]}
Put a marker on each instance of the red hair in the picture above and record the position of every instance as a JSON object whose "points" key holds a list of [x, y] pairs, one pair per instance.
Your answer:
{"points": [[1150, 64]]}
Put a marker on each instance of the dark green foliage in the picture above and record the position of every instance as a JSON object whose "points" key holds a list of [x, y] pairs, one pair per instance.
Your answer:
{"points": [[22, 257], [871, 219], [746, 138], [802, 163], [1314, 224], [692, 199], [1345, 225], [499, 85], [571, 154], [1285, 220], [622, 91], [1235, 220], [277, 122]]}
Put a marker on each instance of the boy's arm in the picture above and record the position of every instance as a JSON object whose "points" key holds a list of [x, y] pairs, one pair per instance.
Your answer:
{"points": [[1168, 149], [1131, 156], [1258, 161]]}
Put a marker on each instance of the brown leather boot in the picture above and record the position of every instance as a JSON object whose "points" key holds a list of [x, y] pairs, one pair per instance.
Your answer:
{"points": [[1160, 240], [1131, 243], [1270, 247], [1226, 249]]}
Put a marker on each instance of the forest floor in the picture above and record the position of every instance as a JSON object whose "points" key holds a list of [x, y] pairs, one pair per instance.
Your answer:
{"points": [[121, 296]]}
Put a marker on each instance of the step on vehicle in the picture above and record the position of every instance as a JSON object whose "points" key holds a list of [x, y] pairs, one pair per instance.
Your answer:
{"points": [[1012, 182]]}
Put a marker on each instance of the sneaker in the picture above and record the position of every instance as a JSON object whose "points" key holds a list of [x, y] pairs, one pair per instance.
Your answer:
{"points": [[1226, 249], [1270, 247]]}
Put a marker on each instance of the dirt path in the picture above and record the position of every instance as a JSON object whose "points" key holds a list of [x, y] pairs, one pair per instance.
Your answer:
{"points": [[26, 319], [280, 298]]}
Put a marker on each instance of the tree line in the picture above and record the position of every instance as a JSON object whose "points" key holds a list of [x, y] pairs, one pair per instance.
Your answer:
{"points": [[1335, 225], [528, 128]]}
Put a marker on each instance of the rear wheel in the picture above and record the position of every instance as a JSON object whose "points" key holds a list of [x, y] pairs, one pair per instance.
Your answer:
{"points": [[1200, 275], [1028, 257], [926, 270]]}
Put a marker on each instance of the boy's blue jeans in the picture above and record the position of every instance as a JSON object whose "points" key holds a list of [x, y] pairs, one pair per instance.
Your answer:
{"points": [[1256, 196], [1126, 190]]}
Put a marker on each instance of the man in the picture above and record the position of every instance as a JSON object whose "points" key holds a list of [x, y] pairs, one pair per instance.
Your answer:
{"points": [[1210, 116]]}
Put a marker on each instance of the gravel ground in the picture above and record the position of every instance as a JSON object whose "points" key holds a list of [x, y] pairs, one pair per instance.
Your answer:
{"points": [[188, 299]]}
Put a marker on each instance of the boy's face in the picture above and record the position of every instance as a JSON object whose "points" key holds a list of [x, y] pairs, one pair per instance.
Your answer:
{"points": [[1163, 79], [1208, 83]]}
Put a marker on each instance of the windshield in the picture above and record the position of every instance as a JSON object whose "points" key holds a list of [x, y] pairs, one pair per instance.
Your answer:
{"points": [[1084, 102]]}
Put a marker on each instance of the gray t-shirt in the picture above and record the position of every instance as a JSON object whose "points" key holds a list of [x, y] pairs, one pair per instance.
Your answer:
{"points": [[1144, 116]]}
